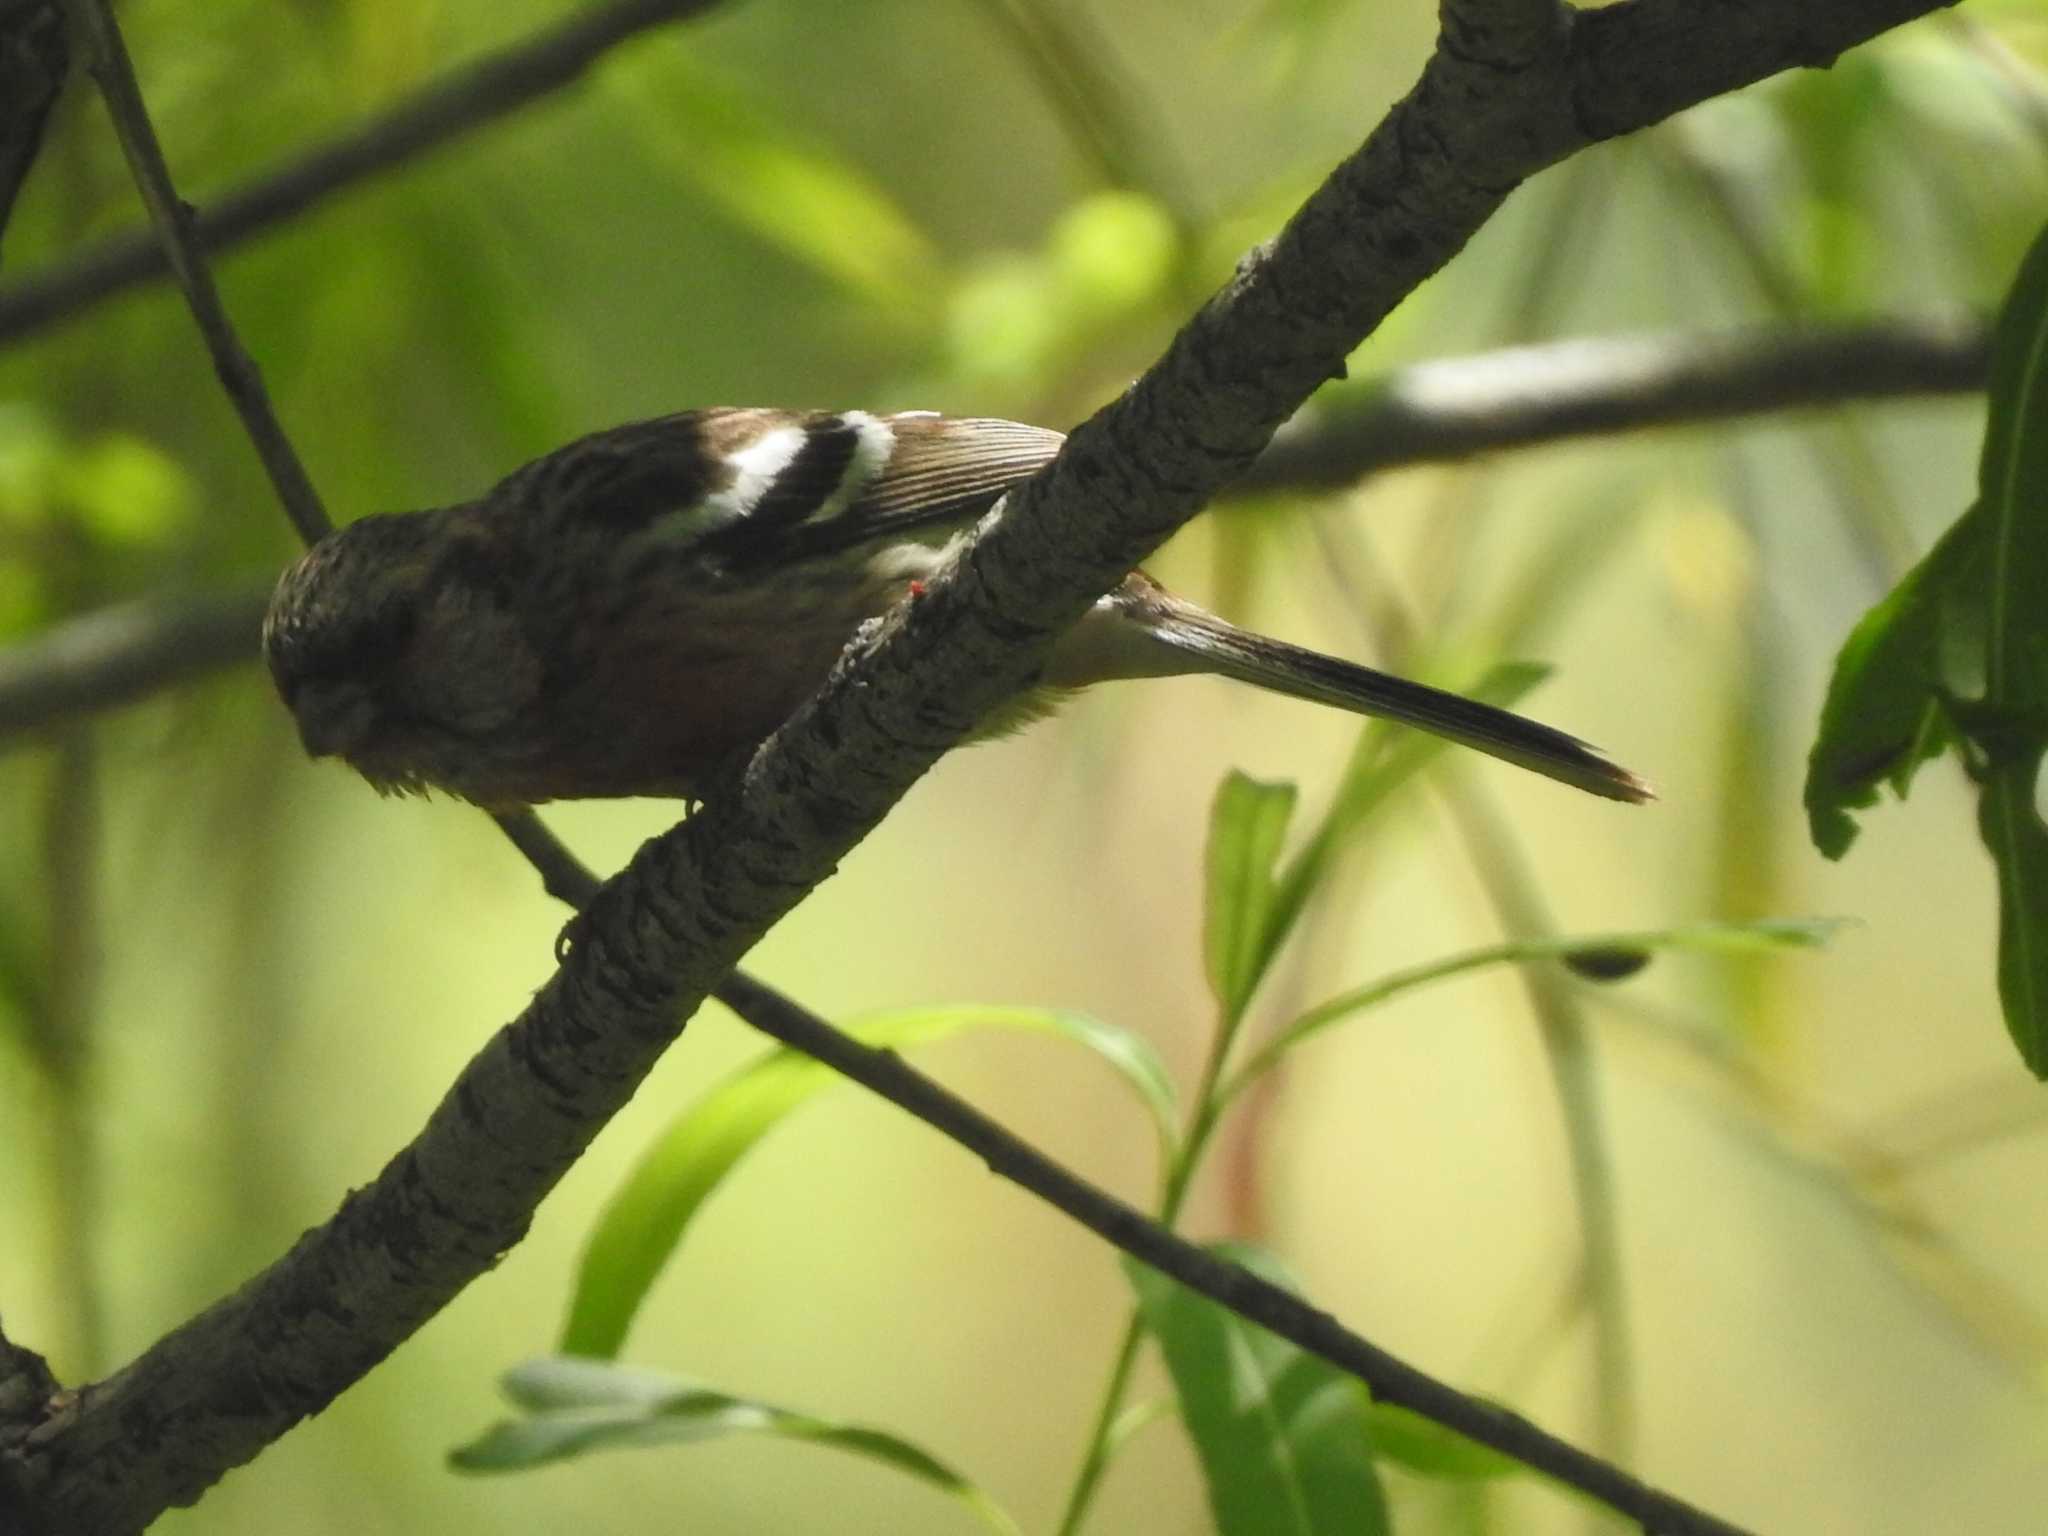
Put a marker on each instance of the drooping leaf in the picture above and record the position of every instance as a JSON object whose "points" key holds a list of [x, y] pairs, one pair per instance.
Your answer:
{"points": [[571, 1407], [646, 1219], [1282, 1436], [1958, 652]]}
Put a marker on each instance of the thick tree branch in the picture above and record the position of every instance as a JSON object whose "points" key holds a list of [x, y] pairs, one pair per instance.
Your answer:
{"points": [[494, 86], [1429, 413], [666, 931], [118, 655]]}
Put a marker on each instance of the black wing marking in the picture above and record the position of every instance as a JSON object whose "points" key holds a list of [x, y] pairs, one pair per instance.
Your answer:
{"points": [[942, 472], [628, 478]]}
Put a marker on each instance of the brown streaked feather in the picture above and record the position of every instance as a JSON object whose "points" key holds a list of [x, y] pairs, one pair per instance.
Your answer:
{"points": [[943, 472]]}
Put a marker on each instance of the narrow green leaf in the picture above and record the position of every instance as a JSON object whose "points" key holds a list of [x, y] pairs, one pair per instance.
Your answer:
{"points": [[1282, 1437], [1958, 652], [1427, 1449], [571, 1407], [1246, 827], [645, 1220], [1699, 938]]}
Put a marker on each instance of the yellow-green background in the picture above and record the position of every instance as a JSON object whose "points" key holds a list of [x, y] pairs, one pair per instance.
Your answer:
{"points": [[883, 204]]}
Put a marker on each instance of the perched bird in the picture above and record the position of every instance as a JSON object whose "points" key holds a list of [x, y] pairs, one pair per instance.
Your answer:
{"points": [[624, 615]]}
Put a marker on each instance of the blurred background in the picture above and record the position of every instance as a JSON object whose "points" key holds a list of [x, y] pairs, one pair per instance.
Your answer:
{"points": [[232, 982]]}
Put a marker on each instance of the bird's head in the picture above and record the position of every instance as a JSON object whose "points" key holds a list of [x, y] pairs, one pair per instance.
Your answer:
{"points": [[396, 644]]}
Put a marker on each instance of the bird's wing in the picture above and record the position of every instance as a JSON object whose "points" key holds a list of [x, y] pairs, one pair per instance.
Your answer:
{"points": [[750, 488]]}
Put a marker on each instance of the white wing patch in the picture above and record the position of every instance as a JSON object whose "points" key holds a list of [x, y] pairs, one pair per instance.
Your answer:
{"points": [[754, 469], [874, 446]]}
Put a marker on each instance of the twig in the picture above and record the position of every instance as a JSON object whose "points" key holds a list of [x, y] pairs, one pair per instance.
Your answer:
{"points": [[1557, 391], [115, 656], [494, 86], [107, 60], [34, 58], [1390, 1379]]}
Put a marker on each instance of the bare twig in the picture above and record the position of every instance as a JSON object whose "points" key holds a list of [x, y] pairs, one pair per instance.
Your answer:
{"points": [[1561, 390], [107, 60], [493, 87], [1390, 1379], [115, 656], [34, 58]]}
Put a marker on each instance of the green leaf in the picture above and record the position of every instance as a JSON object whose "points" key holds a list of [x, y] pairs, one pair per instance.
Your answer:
{"points": [[645, 1221], [1246, 827], [1427, 1449], [1958, 652], [1572, 950], [571, 1407], [1282, 1437], [1883, 716]]}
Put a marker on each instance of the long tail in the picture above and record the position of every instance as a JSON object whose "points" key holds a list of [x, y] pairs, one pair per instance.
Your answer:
{"points": [[1205, 643]]}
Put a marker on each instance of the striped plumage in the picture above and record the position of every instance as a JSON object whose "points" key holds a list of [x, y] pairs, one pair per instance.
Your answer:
{"points": [[624, 615]]}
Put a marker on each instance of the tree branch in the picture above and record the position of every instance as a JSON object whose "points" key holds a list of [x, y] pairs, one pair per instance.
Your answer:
{"points": [[494, 86], [666, 931], [35, 56], [107, 61], [118, 655], [1559, 391]]}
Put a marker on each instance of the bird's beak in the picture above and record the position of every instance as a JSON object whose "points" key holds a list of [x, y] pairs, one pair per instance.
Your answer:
{"points": [[334, 718]]}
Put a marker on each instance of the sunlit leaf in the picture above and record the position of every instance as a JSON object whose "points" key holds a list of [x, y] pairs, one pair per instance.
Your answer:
{"points": [[1282, 1436], [646, 1219], [1247, 824], [126, 492], [1113, 252], [572, 1407], [1958, 652]]}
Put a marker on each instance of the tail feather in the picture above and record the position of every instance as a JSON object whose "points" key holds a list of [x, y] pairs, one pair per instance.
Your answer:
{"points": [[1215, 646]]}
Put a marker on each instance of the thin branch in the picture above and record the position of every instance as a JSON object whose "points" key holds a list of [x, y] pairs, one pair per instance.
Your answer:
{"points": [[35, 56], [107, 60], [1562, 390], [661, 935], [494, 86], [1391, 1380], [115, 656]]}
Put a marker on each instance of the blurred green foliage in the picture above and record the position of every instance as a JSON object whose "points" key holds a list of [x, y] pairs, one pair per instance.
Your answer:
{"points": [[1007, 207]]}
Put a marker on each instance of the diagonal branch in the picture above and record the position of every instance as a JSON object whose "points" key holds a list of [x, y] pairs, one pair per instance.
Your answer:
{"points": [[107, 61], [663, 934], [494, 86]]}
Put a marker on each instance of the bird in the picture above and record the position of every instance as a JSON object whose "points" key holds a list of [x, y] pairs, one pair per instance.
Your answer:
{"points": [[633, 612]]}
